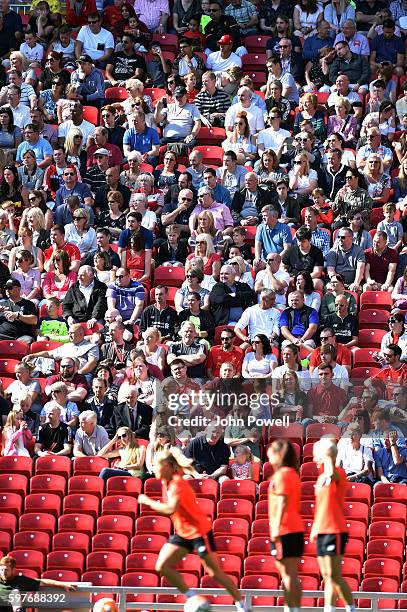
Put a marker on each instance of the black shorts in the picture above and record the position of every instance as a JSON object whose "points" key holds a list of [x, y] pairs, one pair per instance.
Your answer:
{"points": [[288, 545], [331, 544], [202, 545]]}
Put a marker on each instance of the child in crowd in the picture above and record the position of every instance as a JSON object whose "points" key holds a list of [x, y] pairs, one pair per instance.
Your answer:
{"points": [[197, 38], [393, 229], [242, 466], [173, 252], [238, 237], [52, 326], [32, 50]]}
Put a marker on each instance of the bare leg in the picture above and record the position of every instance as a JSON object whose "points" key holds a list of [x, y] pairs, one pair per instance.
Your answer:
{"points": [[335, 585], [211, 564], [288, 569], [167, 559]]}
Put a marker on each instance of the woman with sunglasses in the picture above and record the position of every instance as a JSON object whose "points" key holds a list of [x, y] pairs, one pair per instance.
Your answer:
{"points": [[397, 334], [59, 278], [116, 132], [241, 140], [361, 237], [168, 175], [130, 177], [29, 277], [30, 175], [351, 198], [302, 178], [355, 458], [49, 98], [135, 89], [192, 283], [129, 454], [204, 248], [81, 234], [114, 218], [36, 199], [10, 134], [378, 181], [74, 152], [260, 362]]}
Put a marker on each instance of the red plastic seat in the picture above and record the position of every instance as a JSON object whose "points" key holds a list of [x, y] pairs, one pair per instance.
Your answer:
{"points": [[8, 523], [308, 490], [66, 559], [169, 276], [13, 348], [353, 584], [89, 466], [356, 530], [212, 154], [309, 471], [101, 577], [101, 561], [251, 61], [382, 567], [307, 508], [260, 564], [207, 582], [256, 43], [359, 375], [403, 602], [294, 431], [117, 542], [355, 548], [48, 483], [16, 465], [231, 526], [38, 502], [238, 489], [7, 366], [309, 566], [261, 582], [11, 502], [231, 564], [232, 544], [358, 491], [141, 562], [38, 521], [190, 564], [376, 299], [138, 579], [13, 483], [387, 529], [76, 521], [82, 503], [315, 431], [382, 548], [206, 506], [62, 575], [373, 319], [205, 488], [261, 510], [260, 527], [147, 543], [259, 546], [380, 585], [212, 135], [120, 504], [68, 540], [29, 559], [123, 485], [51, 464], [91, 114], [35, 540], [160, 525], [370, 338], [351, 568], [394, 511], [239, 508], [92, 485], [168, 42], [384, 491], [5, 541], [117, 524], [116, 94], [263, 489], [357, 511]]}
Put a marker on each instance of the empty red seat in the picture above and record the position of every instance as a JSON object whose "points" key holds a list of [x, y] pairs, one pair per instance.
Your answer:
{"points": [[383, 548], [394, 511], [256, 42], [82, 503], [371, 338], [232, 526], [376, 299], [118, 524], [66, 559], [358, 491], [142, 561], [101, 578], [231, 564], [89, 465], [13, 483], [62, 575], [169, 276], [309, 471], [38, 502], [360, 374], [309, 566], [68, 540], [190, 564], [357, 511], [356, 530], [124, 485], [260, 564], [261, 509], [294, 431], [120, 504], [384, 491], [76, 521], [147, 543], [260, 527], [373, 319], [245, 489], [382, 567], [13, 348], [109, 561], [259, 546], [154, 524], [233, 545], [7, 366], [240, 508], [207, 582], [38, 521], [387, 529], [12, 503], [211, 154], [211, 136], [29, 559], [8, 522], [51, 464], [48, 483], [5, 541], [86, 484], [251, 61], [355, 548], [35, 540], [261, 582], [381, 585], [18, 465], [315, 431], [117, 542], [140, 579], [351, 568], [205, 488]]}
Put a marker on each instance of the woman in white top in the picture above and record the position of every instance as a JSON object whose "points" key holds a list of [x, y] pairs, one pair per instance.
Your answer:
{"points": [[80, 234], [355, 458], [302, 178], [261, 362], [304, 283], [243, 270], [307, 13], [338, 11], [396, 335], [151, 347], [291, 363]]}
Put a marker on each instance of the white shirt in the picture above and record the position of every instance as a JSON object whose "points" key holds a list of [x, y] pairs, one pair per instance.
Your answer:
{"points": [[282, 276], [33, 54], [87, 291], [21, 115], [304, 378], [259, 321], [86, 128], [341, 377], [217, 64], [95, 45], [272, 139], [254, 117], [353, 460]]}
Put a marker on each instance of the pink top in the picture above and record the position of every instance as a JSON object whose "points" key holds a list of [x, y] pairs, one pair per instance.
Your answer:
{"points": [[50, 288], [15, 442]]}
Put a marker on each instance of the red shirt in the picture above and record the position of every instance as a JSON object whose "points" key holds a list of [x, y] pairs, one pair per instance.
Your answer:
{"points": [[343, 356], [72, 250], [286, 482], [189, 522], [392, 378], [115, 155], [329, 517], [217, 356], [327, 401], [379, 264]]}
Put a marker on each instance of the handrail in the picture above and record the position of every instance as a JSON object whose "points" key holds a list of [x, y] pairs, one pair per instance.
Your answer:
{"points": [[122, 592]]}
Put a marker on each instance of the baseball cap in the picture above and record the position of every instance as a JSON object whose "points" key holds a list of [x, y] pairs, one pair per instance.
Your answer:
{"points": [[225, 40], [85, 58], [180, 91], [101, 152], [12, 282]]}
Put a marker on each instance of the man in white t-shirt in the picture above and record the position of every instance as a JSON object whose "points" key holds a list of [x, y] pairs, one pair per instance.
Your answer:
{"points": [[274, 278], [254, 114], [222, 60], [76, 120], [262, 318], [95, 41], [272, 137]]}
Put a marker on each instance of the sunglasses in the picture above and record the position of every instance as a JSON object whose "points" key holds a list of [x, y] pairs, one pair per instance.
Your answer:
{"points": [[283, 46], [69, 174], [186, 199], [123, 437], [349, 178], [119, 276]]}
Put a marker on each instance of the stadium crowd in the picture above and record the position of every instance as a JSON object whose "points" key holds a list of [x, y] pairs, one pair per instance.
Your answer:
{"points": [[201, 201]]}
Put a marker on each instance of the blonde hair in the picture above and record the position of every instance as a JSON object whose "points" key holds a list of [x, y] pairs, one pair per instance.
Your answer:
{"points": [[324, 448], [22, 58], [177, 460], [375, 157], [241, 262], [36, 213], [131, 453], [69, 140], [209, 244], [152, 331], [341, 101]]}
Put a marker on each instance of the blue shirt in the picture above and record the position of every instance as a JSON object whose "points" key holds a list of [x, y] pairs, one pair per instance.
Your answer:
{"points": [[387, 48], [313, 45], [273, 239], [146, 233], [41, 148], [141, 141], [81, 190], [63, 214], [222, 195], [297, 328], [384, 459]]}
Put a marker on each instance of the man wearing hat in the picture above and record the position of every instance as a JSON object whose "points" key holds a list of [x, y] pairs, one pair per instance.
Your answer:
{"points": [[181, 119], [89, 82], [222, 60], [96, 175], [101, 136], [94, 41], [18, 316]]}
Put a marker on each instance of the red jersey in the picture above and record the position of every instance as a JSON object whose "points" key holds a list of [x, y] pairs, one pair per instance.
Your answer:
{"points": [[343, 356], [392, 378], [72, 250], [188, 521], [329, 517], [217, 356], [286, 481]]}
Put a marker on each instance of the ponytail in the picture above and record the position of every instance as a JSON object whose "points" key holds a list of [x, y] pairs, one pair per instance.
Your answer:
{"points": [[178, 461]]}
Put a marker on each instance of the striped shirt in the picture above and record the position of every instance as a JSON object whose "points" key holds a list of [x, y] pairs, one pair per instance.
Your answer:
{"points": [[243, 14], [219, 102], [149, 12]]}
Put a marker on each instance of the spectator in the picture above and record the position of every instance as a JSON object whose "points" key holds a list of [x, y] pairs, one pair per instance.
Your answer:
{"points": [[387, 47], [85, 301], [273, 277], [59, 398], [90, 437], [54, 437], [343, 354], [88, 81], [210, 454], [332, 177], [18, 316], [131, 455], [133, 414], [126, 63], [337, 283], [347, 259], [260, 362], [381, 264], [351, 200], [355, 458], [326, 400], [228, 352], [201, 319], [228, 299], [304, 256], [221, 213], [391, 460], [261, 318], [392, 228], [76, 120], [100, 404], [299, 323], [290, 354], [126, 295], [373, 146], [212, 102], [340, 373], [356, 67], [244, 14], [358, 43], [344, 324], [160, 315], [141, 138], [182, 120], [95, 41], [271, 236], [192, 353], [319, 238], [393, 373]]}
